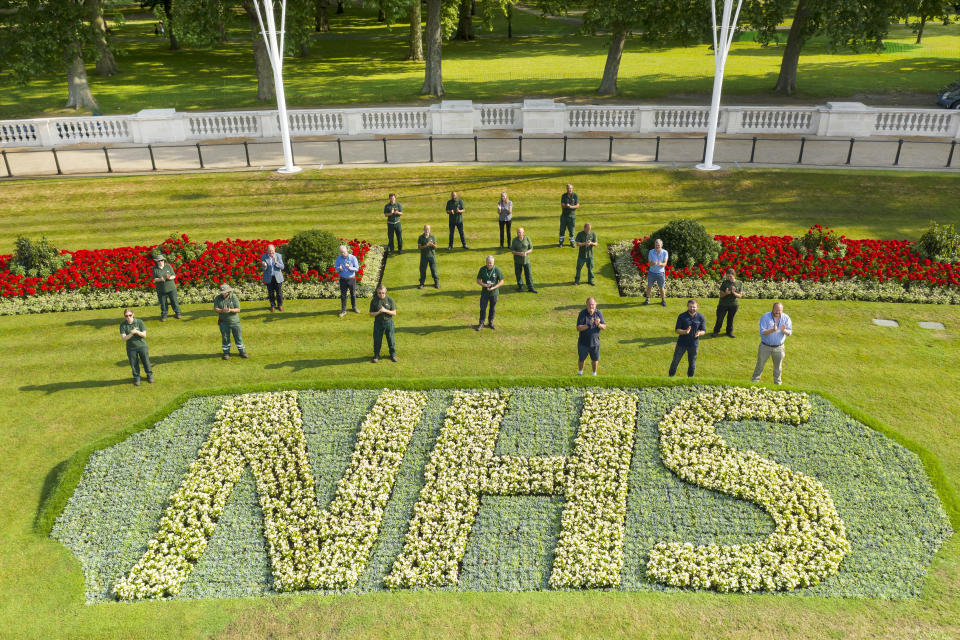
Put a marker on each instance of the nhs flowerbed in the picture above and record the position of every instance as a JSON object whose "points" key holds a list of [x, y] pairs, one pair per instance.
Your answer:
{"points": [[719, 488]]}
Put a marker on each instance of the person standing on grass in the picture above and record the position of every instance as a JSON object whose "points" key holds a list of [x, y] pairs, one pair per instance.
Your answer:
{"points": [[589, 325], [392, 212], [347, 266], [690, 326], [521, 247], [382, 310], [569, 203], [775, 326], [164, 278], [272, 264], [455, 211], [489, 278], [586, 241], [227, 305], [427, 244], [505, 217], [134, 333], [729, 303], [656, 275]]}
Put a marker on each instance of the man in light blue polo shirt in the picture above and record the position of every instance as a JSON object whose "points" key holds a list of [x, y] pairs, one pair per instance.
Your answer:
{"points": [[347, 266], [656, 274], [775, 326]]}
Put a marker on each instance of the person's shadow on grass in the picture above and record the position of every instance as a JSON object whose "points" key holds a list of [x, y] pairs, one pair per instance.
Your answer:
{"points": [[645, 342], [301, 365], [434, 328], [175, 357], [53, 387]]}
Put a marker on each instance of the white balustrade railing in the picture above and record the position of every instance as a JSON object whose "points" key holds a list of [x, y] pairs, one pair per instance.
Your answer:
{"points": [[546, 117]]}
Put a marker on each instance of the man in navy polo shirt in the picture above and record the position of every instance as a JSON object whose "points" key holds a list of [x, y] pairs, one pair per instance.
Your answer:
{"points": [[690, 326], [589, 324]]}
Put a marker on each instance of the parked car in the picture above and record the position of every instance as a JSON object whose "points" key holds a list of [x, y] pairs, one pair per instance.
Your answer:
{"points": [[949, 96]]}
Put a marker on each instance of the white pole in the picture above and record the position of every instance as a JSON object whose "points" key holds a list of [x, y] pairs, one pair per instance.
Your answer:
{"points": [[721, 47], [269, 32]]}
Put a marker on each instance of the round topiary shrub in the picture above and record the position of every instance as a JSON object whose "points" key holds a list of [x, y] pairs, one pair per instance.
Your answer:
{"points": [[687, 242], [311, 249]]}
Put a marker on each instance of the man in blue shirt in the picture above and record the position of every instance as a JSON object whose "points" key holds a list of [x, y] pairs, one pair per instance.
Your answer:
{"points": [[347, 266], [589, 324], [690, 326], [272, 264], [656, 274], [775, 326]]}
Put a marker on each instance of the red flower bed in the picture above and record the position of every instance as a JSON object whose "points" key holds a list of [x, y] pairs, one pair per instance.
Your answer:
{"points": [[231, 261], [774, 258]]}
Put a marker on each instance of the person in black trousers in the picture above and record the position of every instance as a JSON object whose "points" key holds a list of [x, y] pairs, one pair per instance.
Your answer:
{"points": [[690, 326], [730, 294], [505, 218]]}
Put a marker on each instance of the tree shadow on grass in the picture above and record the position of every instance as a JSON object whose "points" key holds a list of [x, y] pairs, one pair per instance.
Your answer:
{"points": [[53, 387], [301, 365]]}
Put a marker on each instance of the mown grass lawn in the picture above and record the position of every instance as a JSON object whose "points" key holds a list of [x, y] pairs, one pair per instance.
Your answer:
{"points": [[64, 381]]}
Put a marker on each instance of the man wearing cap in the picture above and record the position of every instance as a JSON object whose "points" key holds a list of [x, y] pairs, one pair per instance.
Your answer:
{"points": [[347, 266], [227, 305], [521, 248], [272, 264], [569, 203], [427, 244], [164, 278], [134, 333], [392, 211], [455, 211], [490, 278], [382, 310], [586, 241]]}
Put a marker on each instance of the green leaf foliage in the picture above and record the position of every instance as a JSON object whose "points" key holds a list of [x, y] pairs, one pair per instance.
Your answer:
{"points": [[687, 242], [312, 249], [940, 243]]}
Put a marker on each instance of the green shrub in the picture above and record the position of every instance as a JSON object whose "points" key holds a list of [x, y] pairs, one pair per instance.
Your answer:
{"points": [[179, 249], [821, 242], [687, 242], [311, 249], [940, 243], [36, 259]]}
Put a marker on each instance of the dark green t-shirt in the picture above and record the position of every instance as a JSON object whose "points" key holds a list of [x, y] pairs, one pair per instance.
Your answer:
{"points": [[127, 327], [568, 199], [167, 286], [386, 302], [422, 241], [729, 301], [521, 245], [392, 210], [230, 301], [583, 236], [455, 205], [490, 275]]}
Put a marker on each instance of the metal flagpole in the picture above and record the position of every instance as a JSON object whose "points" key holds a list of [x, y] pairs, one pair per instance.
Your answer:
{"points": [[722, 39], [275, 51]]}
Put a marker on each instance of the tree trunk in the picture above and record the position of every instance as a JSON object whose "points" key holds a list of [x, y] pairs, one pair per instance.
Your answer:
{"points": [[321, 16], [78, 90], [265, 89], [415, 51], [787, 81], [465, 21], [923, 23], [433, 77], [608, 84], [339, 6], [106, 64], [168, 11], [381, 16]]}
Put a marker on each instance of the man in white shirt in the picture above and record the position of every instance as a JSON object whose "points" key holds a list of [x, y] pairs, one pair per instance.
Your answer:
{"points": [[775, 326]]}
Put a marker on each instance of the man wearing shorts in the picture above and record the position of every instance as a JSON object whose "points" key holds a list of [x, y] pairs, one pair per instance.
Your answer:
{"points": [[589, 324], [656, 275]]}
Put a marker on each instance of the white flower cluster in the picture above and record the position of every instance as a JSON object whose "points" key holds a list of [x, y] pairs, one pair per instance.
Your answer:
{"points": [[517, 476], [809, 541], [589, 551], [450, 498], [308, 548]]}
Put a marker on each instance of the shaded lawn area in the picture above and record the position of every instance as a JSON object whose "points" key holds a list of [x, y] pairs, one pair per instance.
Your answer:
{"points": [[66, 382]]}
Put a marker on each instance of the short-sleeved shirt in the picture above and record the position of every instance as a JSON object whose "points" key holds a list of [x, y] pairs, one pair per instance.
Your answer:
{"points": [[505, 210], [455, 205], [386, 302], [422, 241], [767, 321], [490, 275], [697, 321], [568, 199], [583, 236], [392, 209], [346, 265], [167, 286], [729, 301], [521, 245], [127, 327], [654, 255], [590, 336], [230, 301]]}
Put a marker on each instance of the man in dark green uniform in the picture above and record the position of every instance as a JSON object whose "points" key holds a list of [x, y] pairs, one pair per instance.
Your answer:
{"points": [[569, 203], [520, 247], [382, 310], [427, 244], [586, 240], [164, 278], [227, 305], [455, 218], [134, 333], [392, 211], [489, 278]]}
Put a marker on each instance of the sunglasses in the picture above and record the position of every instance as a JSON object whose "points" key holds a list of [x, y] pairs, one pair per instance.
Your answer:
{"points": [[128, 315]]}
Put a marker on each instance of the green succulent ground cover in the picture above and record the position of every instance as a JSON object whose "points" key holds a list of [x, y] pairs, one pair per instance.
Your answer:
{"points": [[894, 520]]}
